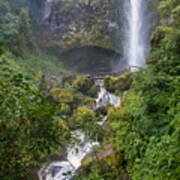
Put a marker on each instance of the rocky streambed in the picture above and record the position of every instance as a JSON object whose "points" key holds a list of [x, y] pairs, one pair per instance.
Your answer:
{"points": [[66, 169]]}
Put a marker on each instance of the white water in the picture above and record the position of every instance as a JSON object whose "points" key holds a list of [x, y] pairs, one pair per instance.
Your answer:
{"points": [[65, 170], [47, 9], [105, 98], [137, 27]]}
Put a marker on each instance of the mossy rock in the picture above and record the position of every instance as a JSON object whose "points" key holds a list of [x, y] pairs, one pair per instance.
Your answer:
{"points": [[93, 91], [62, 95], [84, 84], [120, 83]]}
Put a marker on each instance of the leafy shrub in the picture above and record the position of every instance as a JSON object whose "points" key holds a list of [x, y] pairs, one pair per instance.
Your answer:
{"points": [[83, 114], [29, 129]]}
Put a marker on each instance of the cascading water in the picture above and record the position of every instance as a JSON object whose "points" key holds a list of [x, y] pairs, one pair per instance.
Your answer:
{"points": [[105, 98], [137, 28], [65, 170], [47, 9]]}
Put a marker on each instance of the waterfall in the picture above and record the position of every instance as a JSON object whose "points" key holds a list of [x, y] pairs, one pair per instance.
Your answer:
{"points": [[47, 9], [136, 27], [105, 98]]}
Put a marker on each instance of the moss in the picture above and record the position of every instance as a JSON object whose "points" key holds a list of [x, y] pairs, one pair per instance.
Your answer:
{"points": [[93, 91], [69, 99], [85, 85], [120, 83], [62, 95]]}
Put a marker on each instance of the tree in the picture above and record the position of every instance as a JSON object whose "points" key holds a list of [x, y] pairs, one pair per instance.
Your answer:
{"points": [[26, 41], [30, 130], [9, 26]]}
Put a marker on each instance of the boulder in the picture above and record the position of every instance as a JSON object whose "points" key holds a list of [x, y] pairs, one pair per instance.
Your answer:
{"points": [[120, 83]]}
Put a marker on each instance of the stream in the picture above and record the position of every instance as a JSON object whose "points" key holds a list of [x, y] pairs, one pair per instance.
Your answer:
{"points": [[65, 170]]}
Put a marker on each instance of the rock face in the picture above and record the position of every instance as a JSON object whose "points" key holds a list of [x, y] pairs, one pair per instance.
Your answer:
{"points": [[57, 18], [79, 23], [92, 59], [84, 32]]}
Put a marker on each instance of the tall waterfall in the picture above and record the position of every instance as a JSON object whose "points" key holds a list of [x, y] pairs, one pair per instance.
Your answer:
{"points": [[137, 28]]}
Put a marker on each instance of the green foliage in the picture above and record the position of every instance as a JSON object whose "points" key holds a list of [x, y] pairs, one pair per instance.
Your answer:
{"points": [[145, 129], [83, 114], [1, 48], [86, 119], [29, 129], [15, 30], [25, 39], [47, 64], [9, 25], [64, 109], [147, 126]]}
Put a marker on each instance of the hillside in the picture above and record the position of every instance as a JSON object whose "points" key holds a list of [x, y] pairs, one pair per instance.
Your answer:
{"points": [[57, 124]]}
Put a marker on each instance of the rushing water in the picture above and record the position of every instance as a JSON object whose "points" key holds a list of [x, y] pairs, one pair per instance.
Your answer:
{"points": [[47, 9], [105, 98], [137, 26], [65, 170]]}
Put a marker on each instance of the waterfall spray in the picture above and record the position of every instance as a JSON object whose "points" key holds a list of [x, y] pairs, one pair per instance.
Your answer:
{"points": [[137, 28]]}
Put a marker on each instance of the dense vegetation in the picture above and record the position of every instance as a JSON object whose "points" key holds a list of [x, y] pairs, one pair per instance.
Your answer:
{"points": [[28, 123], [39, 108], [146, 128]]}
